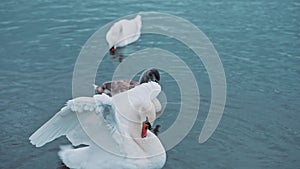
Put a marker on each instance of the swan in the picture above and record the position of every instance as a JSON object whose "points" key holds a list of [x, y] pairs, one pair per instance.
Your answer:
{"points": [[85, 121], [114, 87], [123, 33]]}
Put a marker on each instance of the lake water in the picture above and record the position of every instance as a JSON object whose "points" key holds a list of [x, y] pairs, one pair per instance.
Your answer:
{"points": [[258, 43]]}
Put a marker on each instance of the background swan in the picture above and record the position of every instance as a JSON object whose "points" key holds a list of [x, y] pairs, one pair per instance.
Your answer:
{"points": [[121, 129], [123, 33], [114, 87]]}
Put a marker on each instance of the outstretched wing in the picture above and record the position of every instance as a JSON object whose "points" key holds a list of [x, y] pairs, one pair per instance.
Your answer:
{"points": [[67, 122]]}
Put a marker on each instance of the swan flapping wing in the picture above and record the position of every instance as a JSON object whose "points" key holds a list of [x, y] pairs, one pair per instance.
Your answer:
{"points": [[93, 120], [66, 121]]}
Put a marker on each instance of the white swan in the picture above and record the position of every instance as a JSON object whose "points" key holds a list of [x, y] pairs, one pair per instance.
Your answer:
{"points": [[123, 33], [111, 128]]}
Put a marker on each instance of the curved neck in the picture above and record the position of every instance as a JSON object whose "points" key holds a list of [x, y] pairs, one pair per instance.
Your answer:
{"points": [[136, 146]]}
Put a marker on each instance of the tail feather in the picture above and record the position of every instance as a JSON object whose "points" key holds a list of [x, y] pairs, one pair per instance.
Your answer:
{"points": [[73, 158]]}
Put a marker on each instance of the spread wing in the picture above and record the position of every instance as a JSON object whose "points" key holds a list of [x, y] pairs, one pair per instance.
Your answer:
{"points": [[73, 120]]}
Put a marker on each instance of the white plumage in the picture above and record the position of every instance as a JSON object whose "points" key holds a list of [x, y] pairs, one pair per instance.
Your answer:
{"points": [[124, 32], [114, 122]]}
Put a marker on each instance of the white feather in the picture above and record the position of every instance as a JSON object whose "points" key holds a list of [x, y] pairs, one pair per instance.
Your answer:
{"points": [[65, 122], [124, 32], [127, 148]]}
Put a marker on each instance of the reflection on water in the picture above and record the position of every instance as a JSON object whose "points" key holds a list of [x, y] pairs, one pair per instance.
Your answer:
{"points": [[258, 43], [62, 166], [117, 56]]}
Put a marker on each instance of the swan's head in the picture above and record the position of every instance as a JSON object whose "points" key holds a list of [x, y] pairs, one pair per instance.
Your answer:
{"points": [[112, 40], [151, 74], [112, 50], [112, 37]]}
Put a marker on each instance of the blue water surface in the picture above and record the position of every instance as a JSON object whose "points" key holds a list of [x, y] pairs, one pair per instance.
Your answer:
{"points": [[258, 43]]}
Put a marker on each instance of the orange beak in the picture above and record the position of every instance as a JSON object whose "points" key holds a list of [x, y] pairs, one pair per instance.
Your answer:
{"points": [[112, 50], [145, 127]]}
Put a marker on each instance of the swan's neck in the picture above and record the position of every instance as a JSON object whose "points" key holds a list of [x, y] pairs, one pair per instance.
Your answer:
{"points": [[139, 147], [129, 127]]}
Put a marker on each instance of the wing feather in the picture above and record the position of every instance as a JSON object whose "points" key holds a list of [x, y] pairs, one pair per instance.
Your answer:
{"points": [[66, 122]]}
